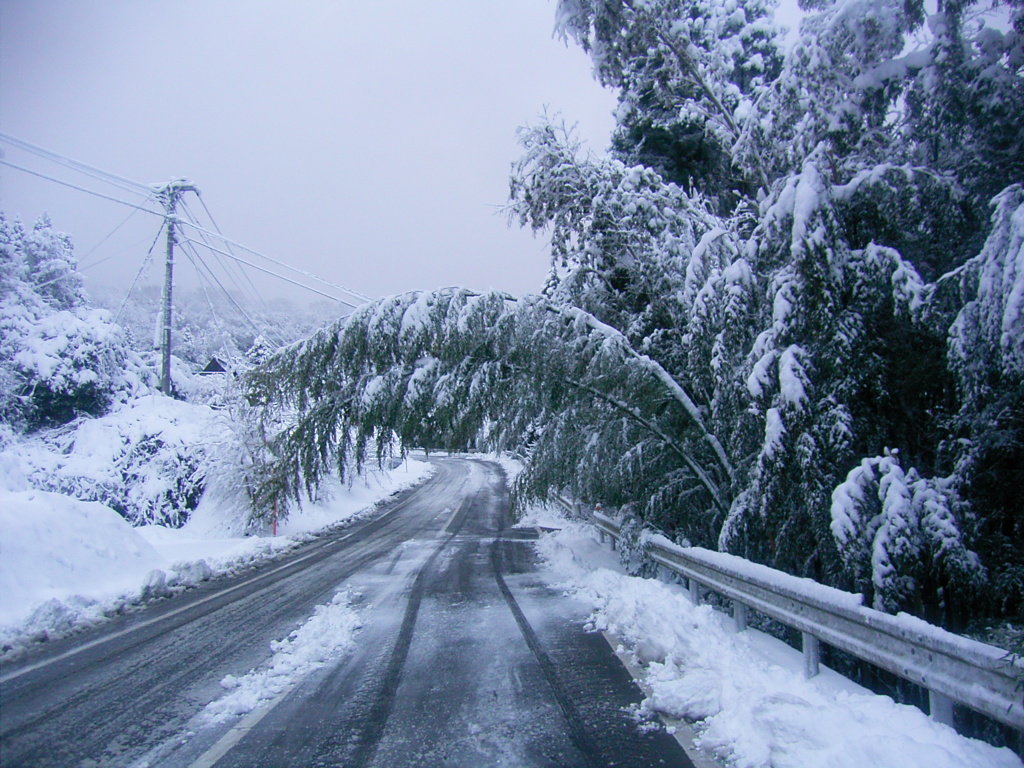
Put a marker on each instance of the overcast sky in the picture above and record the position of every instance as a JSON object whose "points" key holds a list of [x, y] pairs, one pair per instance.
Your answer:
{"points": [[367, 142]]}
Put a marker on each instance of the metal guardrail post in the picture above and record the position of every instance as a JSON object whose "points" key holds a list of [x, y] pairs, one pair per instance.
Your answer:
{"points": [[812, 655], [694, 591], [739, 615], [940, 708]]}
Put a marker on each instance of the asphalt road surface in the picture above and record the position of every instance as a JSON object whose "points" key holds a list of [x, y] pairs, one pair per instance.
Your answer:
{"points": [[465, 658]]}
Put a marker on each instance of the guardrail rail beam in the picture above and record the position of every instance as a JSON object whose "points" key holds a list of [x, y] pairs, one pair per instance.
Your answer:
{"points": [[950, 667]]}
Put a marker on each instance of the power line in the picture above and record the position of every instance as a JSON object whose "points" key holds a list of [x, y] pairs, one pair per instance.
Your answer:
{"points": [[226, 339], [80, 189], [145, 263], [151, 192], [236, 261], [83, 267], [342, 288], [88, 170], [232, 269], [190, 253], [217, 229], [269, 272], [109, 235]]}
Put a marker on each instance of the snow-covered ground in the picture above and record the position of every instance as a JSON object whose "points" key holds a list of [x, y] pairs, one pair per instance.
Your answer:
{"points": [[745, 692], [68, 564]]}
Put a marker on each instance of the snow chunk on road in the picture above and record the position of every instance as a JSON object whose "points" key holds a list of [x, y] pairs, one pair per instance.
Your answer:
{"points": [[746, 690], [54, 544], [328, 633]]}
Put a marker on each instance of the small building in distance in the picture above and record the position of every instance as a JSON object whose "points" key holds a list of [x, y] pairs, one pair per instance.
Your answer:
{"points": [[214, 366]]}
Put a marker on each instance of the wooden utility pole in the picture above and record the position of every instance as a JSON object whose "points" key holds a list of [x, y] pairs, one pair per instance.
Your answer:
{"points": [[169, 195]]}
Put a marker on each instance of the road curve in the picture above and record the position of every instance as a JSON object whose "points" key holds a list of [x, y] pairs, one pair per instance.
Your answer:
{"points": [[465, 658]]}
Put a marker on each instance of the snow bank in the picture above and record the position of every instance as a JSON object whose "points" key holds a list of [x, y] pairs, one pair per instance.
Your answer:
{"points": [[512, 467], [339, 502], [55, 547], [67, 564], [746, 691]]}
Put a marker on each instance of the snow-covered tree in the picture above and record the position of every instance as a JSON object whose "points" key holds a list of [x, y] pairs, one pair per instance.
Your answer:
{"points": [[59, 358], [48, 264], [986, 355], [452, 367], [688, 73], [900, 538], [770, 290]]}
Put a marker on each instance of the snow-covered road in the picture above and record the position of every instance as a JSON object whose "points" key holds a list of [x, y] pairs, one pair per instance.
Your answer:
{"points": [[419, 637]]}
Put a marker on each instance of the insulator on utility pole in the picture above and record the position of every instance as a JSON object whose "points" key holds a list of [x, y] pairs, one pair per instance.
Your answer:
{"points": [[169, 195]]}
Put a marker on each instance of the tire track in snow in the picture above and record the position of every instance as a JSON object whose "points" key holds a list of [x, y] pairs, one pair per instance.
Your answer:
{"points": [[577, 732], [378, 715]]}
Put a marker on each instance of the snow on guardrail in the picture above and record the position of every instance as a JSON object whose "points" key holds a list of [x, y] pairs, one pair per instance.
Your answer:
{"points": [[952, 668]]}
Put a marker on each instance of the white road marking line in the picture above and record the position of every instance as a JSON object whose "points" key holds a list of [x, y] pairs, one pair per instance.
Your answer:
{"points": [[450, 521], [226, 742]]}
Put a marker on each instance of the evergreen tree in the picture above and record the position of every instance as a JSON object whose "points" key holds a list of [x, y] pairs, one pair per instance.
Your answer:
{"points": [[986, 354]]}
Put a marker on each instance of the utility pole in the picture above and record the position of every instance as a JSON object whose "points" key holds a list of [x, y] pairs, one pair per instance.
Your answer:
{"points": [[169, 195]]}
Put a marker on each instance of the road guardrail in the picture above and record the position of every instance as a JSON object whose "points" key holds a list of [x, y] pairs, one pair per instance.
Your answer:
{"points": [[952, 668]]}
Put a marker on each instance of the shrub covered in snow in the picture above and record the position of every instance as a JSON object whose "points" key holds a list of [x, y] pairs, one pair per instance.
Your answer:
{"points": [[145, 459], [59, 358]]}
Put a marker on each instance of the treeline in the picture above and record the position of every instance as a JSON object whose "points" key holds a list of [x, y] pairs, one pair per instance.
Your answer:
{"points": [[785, 313], [208, 324]]}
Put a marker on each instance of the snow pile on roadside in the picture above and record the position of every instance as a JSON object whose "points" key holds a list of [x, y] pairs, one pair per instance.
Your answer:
{"points": [[222, 555], [553, 517], [512, 467], [53, 546], [66, 565], [746, 691], [328, 633]]}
